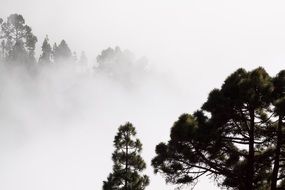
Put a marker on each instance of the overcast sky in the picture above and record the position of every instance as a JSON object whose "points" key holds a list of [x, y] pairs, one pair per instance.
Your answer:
{"points": [[196, 42], [196, 35]]}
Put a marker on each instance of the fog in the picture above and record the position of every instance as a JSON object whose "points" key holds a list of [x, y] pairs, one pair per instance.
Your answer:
{"points": [[57, 123]]}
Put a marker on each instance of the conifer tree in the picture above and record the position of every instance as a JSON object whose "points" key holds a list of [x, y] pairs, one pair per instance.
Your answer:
{"points": [[62, 52], [128, 164], [239, 141], [46, 52]]}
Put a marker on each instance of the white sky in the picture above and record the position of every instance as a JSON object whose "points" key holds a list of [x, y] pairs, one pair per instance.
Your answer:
{"points": [[198, 42]]}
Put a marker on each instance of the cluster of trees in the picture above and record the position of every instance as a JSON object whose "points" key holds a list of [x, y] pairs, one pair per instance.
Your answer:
{"points": [[237, 137], [121, 66], [18, 47], [18, 43], [116, 62]]}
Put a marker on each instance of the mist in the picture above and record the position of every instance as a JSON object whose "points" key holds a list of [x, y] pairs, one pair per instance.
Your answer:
{"points": [[58, 123]]}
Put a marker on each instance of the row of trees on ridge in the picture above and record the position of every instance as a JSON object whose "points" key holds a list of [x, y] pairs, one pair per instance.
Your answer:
{"points": [[18, 45]]}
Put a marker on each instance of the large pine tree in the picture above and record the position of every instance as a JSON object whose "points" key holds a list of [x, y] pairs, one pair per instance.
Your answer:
{"points": [[128, 164], [237, 137]]}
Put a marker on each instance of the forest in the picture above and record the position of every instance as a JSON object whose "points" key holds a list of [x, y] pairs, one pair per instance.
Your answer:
{"points": [[236, 138]]}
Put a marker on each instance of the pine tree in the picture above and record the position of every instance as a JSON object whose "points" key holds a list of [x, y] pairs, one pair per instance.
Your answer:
{"points": [[62, 52], [236, 137], [128, 164], [46, 52]]}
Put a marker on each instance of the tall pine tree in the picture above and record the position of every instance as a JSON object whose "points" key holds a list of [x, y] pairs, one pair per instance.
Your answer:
{"points": [[128, 164], [46, 52]]}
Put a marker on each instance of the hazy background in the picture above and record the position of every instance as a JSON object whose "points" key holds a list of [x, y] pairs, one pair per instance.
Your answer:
{"points": [[57, 130]]}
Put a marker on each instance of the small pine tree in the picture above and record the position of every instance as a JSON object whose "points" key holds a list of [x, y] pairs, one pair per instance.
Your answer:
{"points": [[128, 164]]}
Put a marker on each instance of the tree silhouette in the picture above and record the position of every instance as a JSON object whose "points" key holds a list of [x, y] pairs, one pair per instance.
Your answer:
{"points": [[62, 52], [128, 164], [83, 59], [236, 144], [121, 65], [278, 172], [45, 57], [16, 35]]}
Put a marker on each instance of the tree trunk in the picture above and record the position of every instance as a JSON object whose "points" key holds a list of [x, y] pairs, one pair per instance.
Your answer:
{"points": [[127, 162], [250, 173], [277, 156]]}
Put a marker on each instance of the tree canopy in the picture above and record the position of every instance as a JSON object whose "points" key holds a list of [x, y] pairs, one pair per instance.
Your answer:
{"points": [[120, 65], [62, 52], [235, 137], [18, 41], [128, 164], [46, 56]]}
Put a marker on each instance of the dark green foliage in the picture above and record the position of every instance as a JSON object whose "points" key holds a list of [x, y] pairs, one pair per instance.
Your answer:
{"points": [[128, 164], [278, 177], [238, 144]]}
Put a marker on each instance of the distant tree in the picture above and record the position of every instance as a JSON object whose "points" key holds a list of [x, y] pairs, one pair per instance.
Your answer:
{"points": [[74, 57], [83, 59], [62, 52], [114, 62], [54, 49], [46, 52], [2, 42], [128, 164], [2, 51], [241, 144], [121, 66], [18, 53], [16, 33]]}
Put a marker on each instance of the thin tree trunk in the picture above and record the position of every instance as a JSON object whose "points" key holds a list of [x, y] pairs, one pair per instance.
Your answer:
{"points": [[250, 174], [127, 162], [277, 156]]}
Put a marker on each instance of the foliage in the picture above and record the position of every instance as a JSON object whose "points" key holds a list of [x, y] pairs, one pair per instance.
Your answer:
{"points": [[233, 137], [18, 41], [128, 164], [46, 55]]}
